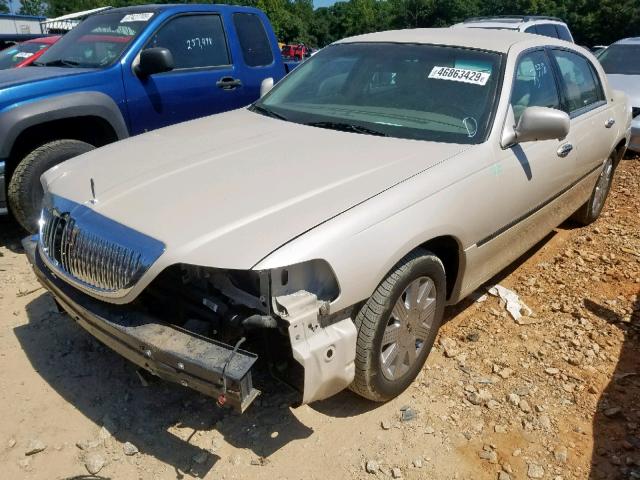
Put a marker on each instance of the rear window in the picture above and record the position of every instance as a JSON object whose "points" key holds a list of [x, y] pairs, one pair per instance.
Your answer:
{"points": [[563, 33], [255, 45], [547, 29]]}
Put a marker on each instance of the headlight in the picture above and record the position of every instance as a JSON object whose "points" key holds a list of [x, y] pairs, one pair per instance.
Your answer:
{"points": [[314, 276]]}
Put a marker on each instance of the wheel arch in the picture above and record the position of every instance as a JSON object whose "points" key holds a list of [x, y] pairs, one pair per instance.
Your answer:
{"points": [[91, 117], [620, 149], [447, 248]]}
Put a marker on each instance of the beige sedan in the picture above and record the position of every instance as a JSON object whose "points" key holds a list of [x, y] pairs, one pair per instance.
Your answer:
{"points": [[389, 175]]}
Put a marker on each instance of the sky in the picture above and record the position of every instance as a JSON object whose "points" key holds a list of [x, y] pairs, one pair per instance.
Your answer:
{"points": [[323, 3]]}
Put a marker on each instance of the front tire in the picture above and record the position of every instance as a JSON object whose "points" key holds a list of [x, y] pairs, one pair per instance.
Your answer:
{"points": [[398, 325], [25, 191], [591, 210]]}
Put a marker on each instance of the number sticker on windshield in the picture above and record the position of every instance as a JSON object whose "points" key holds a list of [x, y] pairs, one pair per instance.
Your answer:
{"points": [[460, 75], [23, 55], [136, 17]]}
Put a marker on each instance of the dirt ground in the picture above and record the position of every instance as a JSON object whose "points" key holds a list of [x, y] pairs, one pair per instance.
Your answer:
{"points": [[554, 396]]}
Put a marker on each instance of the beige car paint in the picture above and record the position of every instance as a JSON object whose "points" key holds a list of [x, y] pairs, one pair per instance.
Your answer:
{"points": [[233, 191]]}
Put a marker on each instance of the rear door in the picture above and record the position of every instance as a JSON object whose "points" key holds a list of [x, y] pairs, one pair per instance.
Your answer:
{"points": [[591, 115], [205, 79], [255, 48]]}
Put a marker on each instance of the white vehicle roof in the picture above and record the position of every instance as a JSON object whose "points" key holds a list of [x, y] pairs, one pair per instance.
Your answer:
{"points": [[629, 41], [484, 39]]}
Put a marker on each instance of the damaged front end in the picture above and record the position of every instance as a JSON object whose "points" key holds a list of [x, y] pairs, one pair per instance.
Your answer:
{"points": [[187, 326]]}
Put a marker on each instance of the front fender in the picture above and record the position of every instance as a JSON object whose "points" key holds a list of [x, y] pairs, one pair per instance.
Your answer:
{"points": [[16, 120]]}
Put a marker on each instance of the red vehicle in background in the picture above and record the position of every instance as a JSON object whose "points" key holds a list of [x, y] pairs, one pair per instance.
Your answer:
{"points": [[296, 52], [25, 53]]}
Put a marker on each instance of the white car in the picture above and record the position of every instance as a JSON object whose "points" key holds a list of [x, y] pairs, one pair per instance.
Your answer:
{"points": [[621, 62], [548, 26], [426, 162]]}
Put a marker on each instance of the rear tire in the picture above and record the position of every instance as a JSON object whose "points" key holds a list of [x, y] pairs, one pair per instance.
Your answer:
{"points": [[397, 326], [591, 210], [25, 191]]}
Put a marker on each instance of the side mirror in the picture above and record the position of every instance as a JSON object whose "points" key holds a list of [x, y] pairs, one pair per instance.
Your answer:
{"points": [[154, 60], [535, 124], [266, 86]]}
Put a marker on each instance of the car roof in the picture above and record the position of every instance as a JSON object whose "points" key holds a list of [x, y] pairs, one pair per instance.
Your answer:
{"points": [[484, 39], [175, 6], [629, 41]]}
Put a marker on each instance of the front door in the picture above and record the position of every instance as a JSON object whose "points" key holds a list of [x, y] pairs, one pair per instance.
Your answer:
{"points": [[525, 177], [203, 82]]}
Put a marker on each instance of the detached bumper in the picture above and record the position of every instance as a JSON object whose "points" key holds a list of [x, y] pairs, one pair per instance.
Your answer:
{"points": [[634, 140], [3, 189], [166, 351]]}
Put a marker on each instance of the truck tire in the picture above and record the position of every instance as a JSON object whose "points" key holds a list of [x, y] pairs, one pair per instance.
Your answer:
{"points": [[25, 191], [397, 326], [591, 210]]}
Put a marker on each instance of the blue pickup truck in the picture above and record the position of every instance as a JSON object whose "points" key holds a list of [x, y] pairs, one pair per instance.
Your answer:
{"points": [[123, 72]]}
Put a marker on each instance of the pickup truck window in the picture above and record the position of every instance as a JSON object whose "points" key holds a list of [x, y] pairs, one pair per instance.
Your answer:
{"points": [[534, 85], [97, 42], [195, 41], [582, 87], [256, 49], [422, 92]]}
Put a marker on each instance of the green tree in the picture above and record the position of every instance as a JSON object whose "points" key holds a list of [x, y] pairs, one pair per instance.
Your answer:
{"points": [[33, 7], [4, 6]]}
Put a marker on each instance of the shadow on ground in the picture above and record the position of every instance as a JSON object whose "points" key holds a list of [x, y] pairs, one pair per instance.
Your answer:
{"points": [[11, 234], [161, 418], [616, 425]]}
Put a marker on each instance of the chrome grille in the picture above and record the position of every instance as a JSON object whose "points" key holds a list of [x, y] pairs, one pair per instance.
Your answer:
{"points": [[95, 252]]}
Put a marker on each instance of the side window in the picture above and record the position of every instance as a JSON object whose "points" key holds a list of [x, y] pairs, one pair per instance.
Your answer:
{"points": [[256, 48], [581, 83], [548, 30], [534, 84], [563, 33], [531, 29], [195, 41]]}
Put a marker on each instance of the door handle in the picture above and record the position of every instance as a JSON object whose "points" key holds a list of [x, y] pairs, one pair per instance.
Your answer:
{"points": [[229, 83], [564, 150], [610, 123]]}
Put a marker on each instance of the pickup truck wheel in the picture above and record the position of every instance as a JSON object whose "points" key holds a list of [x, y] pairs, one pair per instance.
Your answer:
{"points": [[25, 191], [591, 210], [398, 325]]}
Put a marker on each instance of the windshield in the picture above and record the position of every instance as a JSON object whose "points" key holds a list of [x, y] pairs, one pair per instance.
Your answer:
{"points": [[621, 59], [96, 42], [12, 56], [422, 92]]}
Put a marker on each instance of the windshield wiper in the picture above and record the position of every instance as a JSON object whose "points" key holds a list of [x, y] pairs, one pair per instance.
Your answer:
{"points": [[61, 62], [265, 111], [348, 127]]}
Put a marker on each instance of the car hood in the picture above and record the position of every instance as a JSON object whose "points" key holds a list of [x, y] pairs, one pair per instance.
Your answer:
{"points": [[227, 190], [18, 76], [629, 84]]}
